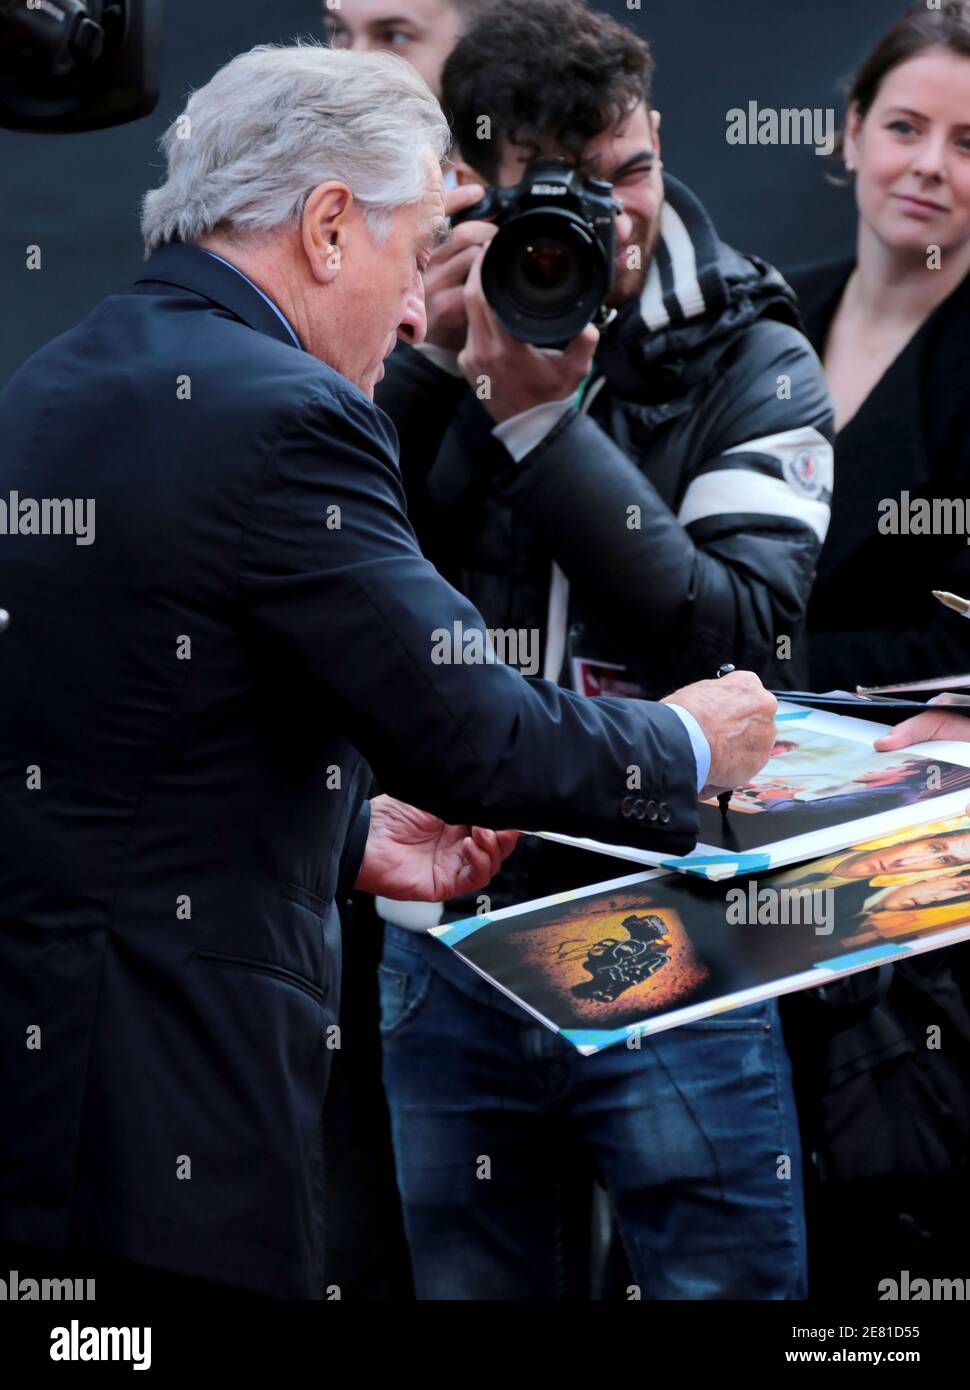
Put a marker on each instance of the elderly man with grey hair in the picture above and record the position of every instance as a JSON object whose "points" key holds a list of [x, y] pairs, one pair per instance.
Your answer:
{"points": [[197, 696]]}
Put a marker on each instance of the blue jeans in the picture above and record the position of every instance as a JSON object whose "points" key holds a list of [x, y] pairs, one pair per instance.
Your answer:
{"points": [[690, 1135]]}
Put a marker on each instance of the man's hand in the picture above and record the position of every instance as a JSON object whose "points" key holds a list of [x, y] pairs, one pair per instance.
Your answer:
{"points": [[444, 283], [414, 856], [737, 716], [519, 375]]}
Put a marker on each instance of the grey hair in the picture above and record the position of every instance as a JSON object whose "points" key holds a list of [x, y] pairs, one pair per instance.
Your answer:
{"points": [[271, 125]]}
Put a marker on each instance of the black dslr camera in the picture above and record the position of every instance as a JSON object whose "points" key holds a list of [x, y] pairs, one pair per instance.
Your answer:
{"points": [[549, 266], [71, 65]]}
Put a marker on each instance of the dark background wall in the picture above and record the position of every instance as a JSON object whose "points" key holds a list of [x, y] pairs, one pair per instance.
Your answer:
{"points": [[77, 196]]}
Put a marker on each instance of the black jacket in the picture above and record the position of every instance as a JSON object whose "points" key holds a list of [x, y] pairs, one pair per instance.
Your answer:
{"points": [[180, 821], [714, 421], [872, 619]]}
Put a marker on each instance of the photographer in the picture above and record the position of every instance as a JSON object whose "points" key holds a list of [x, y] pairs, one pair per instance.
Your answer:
{"points": [[667, 523]]}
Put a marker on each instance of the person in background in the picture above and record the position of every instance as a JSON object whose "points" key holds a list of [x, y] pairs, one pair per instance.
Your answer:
{"points": [[423, 32], [890, 325], [730, 484], [884, 1118]]}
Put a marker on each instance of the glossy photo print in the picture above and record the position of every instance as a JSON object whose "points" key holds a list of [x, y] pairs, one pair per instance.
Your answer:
{"points": [[824, 786], [645, 953]]}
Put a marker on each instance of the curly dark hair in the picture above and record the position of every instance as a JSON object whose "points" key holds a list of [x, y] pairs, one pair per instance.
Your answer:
{"points": [[542, 68]]}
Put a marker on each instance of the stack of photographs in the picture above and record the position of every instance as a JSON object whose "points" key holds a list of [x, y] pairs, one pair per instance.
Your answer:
{"points": [[835, 859]]}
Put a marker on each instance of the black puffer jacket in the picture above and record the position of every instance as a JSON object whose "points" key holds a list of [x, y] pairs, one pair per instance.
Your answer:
{"points": [[686, 508]]}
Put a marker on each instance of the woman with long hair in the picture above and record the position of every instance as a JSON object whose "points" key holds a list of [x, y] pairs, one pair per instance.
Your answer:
{"points": [[892, 327]]}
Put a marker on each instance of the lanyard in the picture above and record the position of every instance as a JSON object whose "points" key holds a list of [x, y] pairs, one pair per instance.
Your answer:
{"points": [[558, 613]]}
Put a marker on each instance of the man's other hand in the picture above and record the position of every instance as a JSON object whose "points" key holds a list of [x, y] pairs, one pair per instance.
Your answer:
{"points": [[414, 856], [737, 716]]}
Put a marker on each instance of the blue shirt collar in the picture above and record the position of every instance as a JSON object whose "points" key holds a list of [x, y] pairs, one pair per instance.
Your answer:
{"points": [[276, 310]]}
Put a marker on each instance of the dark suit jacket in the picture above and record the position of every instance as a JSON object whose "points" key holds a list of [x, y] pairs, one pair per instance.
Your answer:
{"points": [[185, 709], [872, 619]]}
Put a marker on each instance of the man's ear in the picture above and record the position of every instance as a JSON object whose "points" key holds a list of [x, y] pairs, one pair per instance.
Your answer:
{"points": [[655, 129], [324, 228]]}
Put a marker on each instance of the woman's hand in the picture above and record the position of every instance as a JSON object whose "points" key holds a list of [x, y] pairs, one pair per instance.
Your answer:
{"points": [[936, 723]]}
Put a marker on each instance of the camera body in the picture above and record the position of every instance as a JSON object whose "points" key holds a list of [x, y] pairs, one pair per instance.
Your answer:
{"points": [[549, 267], [73, 65]]}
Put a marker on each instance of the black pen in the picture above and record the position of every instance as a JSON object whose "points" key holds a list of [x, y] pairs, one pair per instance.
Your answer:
{"points": [[724, 799]]}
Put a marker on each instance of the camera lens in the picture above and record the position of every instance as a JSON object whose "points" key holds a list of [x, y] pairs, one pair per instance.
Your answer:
{"points": [[546, 269], [545, 275]]}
